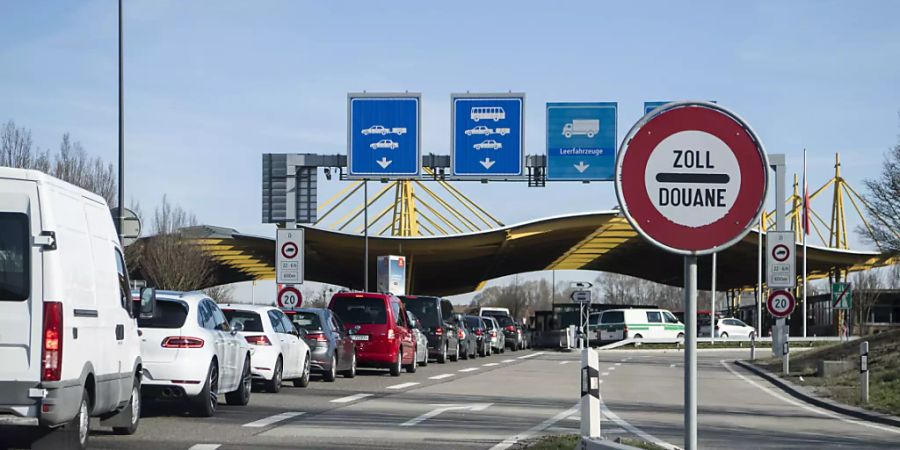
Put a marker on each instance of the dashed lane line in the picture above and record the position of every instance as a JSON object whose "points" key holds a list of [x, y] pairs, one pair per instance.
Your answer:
{"points": [[604, 374], [490, 364], [402, 385], [204, 446], [531, 355], [351, 398], [441, 376], [262, 423], [509, 360], [470, 369]]}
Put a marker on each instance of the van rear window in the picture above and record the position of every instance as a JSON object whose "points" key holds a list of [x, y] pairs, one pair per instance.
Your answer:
{"points": [[425, 310], [15, 276], [360, 311], [168, 314], [613, 317]]}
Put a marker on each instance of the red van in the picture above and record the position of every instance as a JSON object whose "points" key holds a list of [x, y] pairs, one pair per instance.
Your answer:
{"points": [[377, 324]]}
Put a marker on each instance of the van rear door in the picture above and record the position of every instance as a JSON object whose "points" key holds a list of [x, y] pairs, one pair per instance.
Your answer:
{"points": [[21, 294]]}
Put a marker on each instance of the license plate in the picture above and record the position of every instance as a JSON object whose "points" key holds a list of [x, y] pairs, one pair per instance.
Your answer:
{"points": [[360, 337]]}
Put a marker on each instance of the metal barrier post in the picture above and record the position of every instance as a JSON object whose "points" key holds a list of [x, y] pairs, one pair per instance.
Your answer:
{"points": [[590, 393], [785, 352], [752, 346], [864, 372]]}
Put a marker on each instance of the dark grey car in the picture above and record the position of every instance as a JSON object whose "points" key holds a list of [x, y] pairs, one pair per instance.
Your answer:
{"points": [[331, 349]]}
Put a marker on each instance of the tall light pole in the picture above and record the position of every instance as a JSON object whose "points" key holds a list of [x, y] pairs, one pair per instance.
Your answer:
{"points": [[120, 221]]}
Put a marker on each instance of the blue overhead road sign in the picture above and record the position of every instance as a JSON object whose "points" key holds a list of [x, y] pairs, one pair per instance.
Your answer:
{"points": [[487, 135], [383, 135], [581, 141], [650, 106]]}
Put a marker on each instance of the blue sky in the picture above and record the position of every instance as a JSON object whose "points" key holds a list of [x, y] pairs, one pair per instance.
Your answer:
{"points": [[211, 85]]}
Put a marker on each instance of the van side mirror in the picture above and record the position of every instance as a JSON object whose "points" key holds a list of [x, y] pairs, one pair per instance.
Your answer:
{"points": [[148, 303]]}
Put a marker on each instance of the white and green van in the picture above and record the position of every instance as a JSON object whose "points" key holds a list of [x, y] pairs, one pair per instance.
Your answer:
{"points": [[638, 323]]}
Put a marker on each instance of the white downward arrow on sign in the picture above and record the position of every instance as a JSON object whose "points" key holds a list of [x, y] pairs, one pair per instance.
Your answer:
{"points": [[581, 166], [384, 162], [487, 163], [442, 408]]}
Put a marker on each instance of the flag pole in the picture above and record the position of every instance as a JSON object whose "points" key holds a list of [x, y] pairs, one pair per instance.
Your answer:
{"points": [[805, 232]]}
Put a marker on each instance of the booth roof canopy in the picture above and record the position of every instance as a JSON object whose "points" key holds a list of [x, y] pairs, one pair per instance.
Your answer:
{"points": [[455, 264]]}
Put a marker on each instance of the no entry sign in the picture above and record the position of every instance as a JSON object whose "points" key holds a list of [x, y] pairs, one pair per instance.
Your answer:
{"points": [[691, 177], [780, 303]]}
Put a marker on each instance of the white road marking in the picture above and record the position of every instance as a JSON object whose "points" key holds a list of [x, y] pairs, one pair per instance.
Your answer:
{"points": [[512, 440], [531, 355], [402, 385], [470, 369], [205, 446], [604, 374], [807, 407], [671, 365], [618, 364], [491, 364], [632, 429], [351, 398], [444, 408], [612, 368], [509, 360], [274, 419], [441, 376]]}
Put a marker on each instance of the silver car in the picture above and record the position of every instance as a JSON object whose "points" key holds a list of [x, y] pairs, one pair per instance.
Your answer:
{"points": [[421, 340], [498, 340]]}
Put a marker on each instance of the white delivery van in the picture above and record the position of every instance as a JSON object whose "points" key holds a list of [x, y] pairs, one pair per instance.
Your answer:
{"points": [[637, 323], [69, 341]]}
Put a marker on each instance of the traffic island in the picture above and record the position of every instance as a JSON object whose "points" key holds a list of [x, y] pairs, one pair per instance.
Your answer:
{"points": [[573, 442]]}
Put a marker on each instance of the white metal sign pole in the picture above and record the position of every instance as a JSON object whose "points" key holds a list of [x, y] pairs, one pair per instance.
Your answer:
{"points": [[690, 352], [777, 162], [712, 302]]}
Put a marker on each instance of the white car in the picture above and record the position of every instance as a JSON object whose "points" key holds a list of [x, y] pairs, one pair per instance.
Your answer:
{"points": [[376, 129], [384, 143], [191, 352], [280, 353], [488, 144], [729, 327]]}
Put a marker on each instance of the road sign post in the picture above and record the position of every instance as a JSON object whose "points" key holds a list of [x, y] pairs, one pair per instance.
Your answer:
{"points": [[583, 298], [487, 136], [383, 139], [691, 178], [289, 256], [581, 141]]}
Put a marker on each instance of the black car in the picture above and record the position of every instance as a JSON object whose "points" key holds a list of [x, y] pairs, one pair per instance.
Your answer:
{"points": [[331, 349], [434, 314], [511, 331], [476, 325], [468, 343]]}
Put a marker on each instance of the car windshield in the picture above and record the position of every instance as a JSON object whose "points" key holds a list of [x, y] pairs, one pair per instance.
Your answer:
{"points": [[360, 311], [249, 319], [473, 322], [489, 324], [168, 314], [15, 282], [309, 321], [424, 309], [504, 321]]}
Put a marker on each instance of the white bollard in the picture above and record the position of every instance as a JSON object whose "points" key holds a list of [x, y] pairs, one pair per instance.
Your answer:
{"points": [[864, 372], [590, 393], [786, 351], [753, 347]]}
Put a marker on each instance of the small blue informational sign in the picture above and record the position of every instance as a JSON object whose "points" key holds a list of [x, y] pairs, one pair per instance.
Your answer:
{"points": [[383, 135], [581, 141], [650, 106], [487, 135]]}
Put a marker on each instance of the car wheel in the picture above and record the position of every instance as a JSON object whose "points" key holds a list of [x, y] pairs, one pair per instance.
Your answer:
{"points": [[412, 367], [465, 353], [752, 335], [455, 356], [206, 403], [241, 396], [723, 335], [331, 375], [638, 336], [132, 411], [274, 385], [397, 366], [424, 361], [351, 373], [442, 358], [76, 431], [303, 381], [680, 336]]}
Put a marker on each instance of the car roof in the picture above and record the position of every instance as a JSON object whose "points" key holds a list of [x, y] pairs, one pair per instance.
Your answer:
{"points": [[245, 307], [188, 297]]}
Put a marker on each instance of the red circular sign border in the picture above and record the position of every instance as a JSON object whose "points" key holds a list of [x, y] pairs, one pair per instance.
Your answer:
{"points": [[789, 310], [776, 248], [296, 249], [295, 291], [632, 191]]}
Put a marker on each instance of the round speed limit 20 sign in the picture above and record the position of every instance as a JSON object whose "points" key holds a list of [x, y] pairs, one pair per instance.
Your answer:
{"points": [[691, 177], [780, 303], [289, 297]]}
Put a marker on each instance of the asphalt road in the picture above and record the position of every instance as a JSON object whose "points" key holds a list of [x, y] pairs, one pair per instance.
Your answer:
{"points": [[493, 403]]}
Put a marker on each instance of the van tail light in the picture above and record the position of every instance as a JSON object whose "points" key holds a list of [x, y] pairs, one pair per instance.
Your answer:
{"points": [[625, 332], [52, 351], [318, 337], [182, 342], [478, 332], [510, 328], [390, 334], [493, 333], [460, 334], [439, 331], [258, 340]]}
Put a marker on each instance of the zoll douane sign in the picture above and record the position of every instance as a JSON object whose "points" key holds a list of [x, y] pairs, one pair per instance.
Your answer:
{"points": [[691, 177], [289, 256]]}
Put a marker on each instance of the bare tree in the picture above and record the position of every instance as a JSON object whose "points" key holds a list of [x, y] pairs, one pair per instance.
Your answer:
{"points": [[866, 287], [623, 289], [884, 197], [221, 294]]}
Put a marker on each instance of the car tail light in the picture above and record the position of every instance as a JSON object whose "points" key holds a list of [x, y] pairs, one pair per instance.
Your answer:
{"points": [[625, 331], [258, 340], [390, 333], [510, 328], [182, 342], [318, 337], [53, 342], [478, 332], [439, 331], [460, 334], [493, 333]]}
